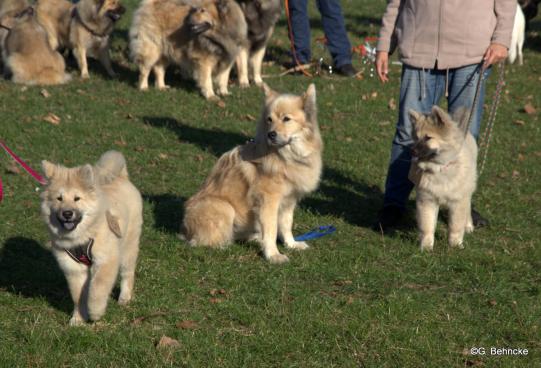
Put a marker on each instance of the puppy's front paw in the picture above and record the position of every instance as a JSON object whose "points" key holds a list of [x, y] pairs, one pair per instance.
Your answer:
{"points": [[298, 245], [76, 320], [427, 243], [278, 259]]}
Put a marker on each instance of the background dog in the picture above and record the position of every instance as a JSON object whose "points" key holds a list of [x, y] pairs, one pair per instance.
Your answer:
{"points": [[28, 58], [517, 37], [94, 216], [203, 40], [261, 16], [9, 7], [444, 171], [529, 8], [252, 191], [84, 28]]}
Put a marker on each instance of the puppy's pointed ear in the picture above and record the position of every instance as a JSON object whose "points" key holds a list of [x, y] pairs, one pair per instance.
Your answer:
{"points": [[414, 116], [86, 174], [49, 169], [309, 103], [270, 94], [462, 117], [440, 116]]}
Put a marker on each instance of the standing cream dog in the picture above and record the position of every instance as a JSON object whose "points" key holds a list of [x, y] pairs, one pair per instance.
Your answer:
{"points": [[252, 191], [444, 170], [94, 216]]}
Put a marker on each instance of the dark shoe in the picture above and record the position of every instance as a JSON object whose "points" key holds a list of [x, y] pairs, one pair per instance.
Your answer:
{"points": [[478, 220], [389, 217], [347, 70]]}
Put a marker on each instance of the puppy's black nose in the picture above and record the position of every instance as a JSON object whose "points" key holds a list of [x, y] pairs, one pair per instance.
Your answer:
{"points": [[271, 135], [67, 215]]}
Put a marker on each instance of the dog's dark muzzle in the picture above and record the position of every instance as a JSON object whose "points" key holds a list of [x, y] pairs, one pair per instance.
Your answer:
{"points": [[69, 219], [200, 27], [115, 14]]}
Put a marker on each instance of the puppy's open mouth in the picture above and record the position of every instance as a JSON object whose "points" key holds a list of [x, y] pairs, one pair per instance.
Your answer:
{"points": [[200, 28], [69, 225]]}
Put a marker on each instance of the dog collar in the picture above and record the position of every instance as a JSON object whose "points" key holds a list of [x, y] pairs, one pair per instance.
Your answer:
{"points": [[82, 253], [75, 14]]}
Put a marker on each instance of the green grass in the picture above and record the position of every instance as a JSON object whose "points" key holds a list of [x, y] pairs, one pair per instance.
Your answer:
{"points": [[354, 299]]}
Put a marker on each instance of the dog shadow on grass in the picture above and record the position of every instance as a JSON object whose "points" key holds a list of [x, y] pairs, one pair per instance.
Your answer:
{"points": [[214, 141], [29, 270], [168, 211]]}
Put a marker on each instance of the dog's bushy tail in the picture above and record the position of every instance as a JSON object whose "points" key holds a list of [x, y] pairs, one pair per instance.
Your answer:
{"points": [[111, 166]]}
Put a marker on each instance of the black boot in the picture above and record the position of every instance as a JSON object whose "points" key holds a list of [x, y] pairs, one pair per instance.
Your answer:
{"points": [[389, 217], [477, 219], [347, 70]]}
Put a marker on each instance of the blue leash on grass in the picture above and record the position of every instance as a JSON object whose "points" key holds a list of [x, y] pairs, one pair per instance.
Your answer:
{"points": [[316, 233]]}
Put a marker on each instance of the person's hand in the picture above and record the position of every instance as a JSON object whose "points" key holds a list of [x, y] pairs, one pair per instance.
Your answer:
{"points": [[382, 65], [494, 54]]}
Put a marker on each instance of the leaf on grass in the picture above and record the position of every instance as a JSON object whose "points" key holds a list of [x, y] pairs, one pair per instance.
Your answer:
{"points": [[515, 174], [529, 109], [364, 97], [384, 123], [374, 94], [221, 103], [52, 118], [137, 321], [121, 142], [129, 116], [521, 157], [140, 149], [163, 156], [249, 117], [187, 325], [215, 292], [519, 122], [167, 342], [12, 168], [45, 93], [492, 302], [392, 104], [215, 300]]}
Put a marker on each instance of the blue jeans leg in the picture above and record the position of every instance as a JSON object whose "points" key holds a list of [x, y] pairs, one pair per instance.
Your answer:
{"points": [[334, 28], [419, 91], [462, 87], [300, 29]]}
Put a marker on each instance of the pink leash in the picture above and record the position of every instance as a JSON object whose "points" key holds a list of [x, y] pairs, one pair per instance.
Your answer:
{"points": [[25, 166]]}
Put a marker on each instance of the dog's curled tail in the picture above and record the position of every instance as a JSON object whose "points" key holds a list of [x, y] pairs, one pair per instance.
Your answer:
{"points": [[110, 166]]}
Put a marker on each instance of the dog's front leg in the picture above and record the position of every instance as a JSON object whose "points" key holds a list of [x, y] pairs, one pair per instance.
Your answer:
{"points": [[242, 67], [203, 78], [222, 79], [103, 277], [256, 60], [77, 277], [459, 219], [105, 59], [80, 55], [427, 218], [268, 220], [285, 224]]}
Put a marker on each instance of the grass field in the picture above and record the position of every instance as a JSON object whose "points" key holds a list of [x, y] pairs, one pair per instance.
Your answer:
{"points": [[354, 299]]}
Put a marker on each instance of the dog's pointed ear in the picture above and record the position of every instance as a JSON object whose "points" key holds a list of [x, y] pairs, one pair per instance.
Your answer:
{"points": [[440, 116], [222, 5], [86, 174], [462, 117], [49, 169], [309, 103], [270, 94], [415, 116]]}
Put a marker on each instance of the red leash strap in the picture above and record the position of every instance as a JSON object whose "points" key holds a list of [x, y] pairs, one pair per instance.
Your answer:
{"points": [[24, 165]]}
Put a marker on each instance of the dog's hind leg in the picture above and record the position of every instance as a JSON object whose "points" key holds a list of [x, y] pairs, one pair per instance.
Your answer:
{"points": [[285, 224], [128, 262], [242, 67], [256, 60], [209, 222]]}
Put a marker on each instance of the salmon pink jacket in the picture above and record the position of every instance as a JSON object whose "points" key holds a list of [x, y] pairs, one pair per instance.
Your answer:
{"points": [[445, 34]]}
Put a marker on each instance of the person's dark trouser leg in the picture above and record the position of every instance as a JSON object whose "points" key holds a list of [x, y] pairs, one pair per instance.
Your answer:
{"points": [[334, 28], [419, 91], [300, 29]]}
